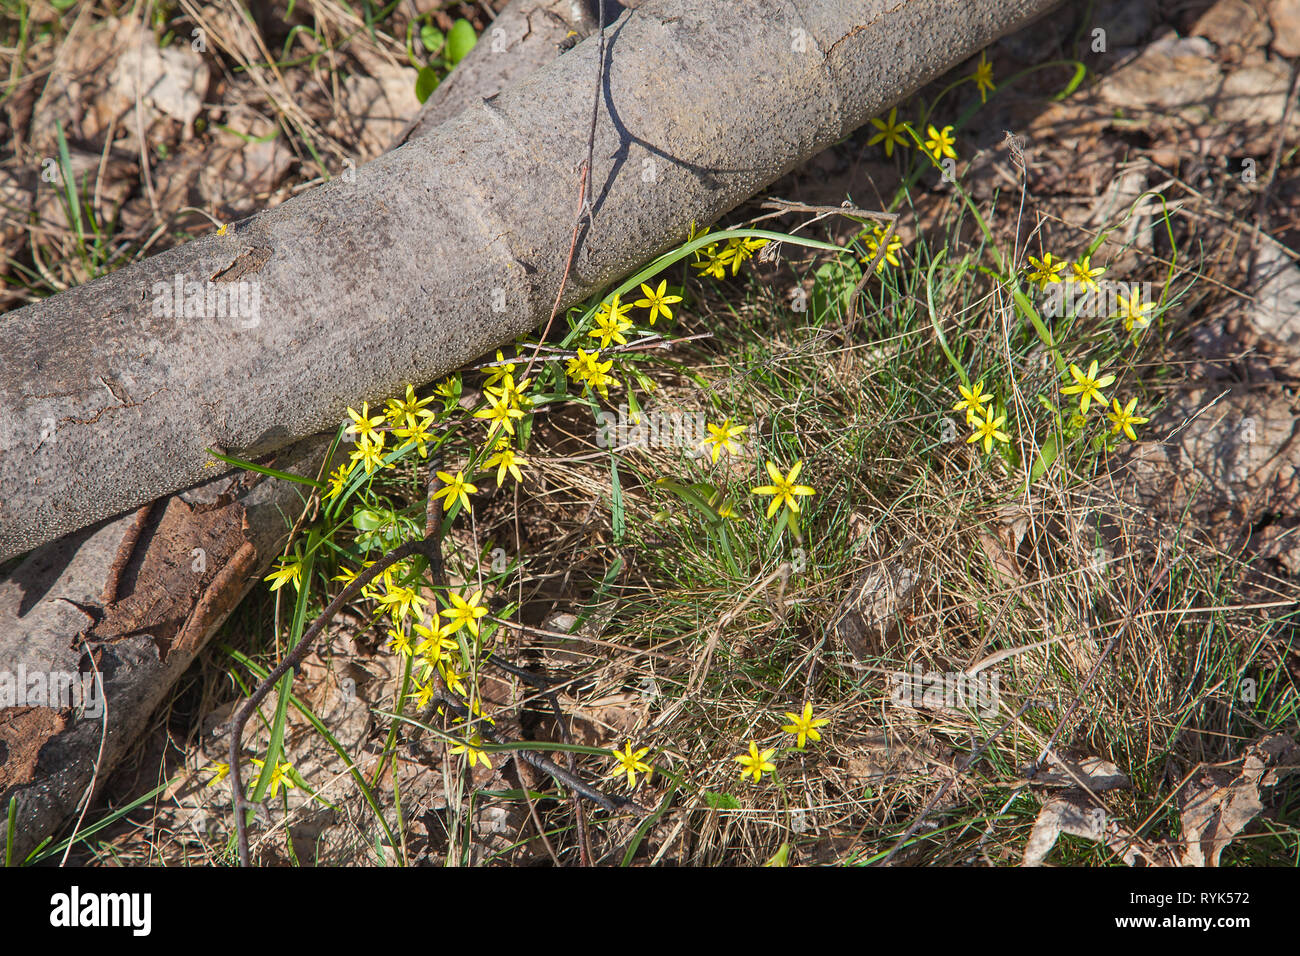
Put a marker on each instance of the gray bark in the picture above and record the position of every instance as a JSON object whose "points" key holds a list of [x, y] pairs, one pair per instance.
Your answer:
{"points": [[188, 571], [522, 39]]}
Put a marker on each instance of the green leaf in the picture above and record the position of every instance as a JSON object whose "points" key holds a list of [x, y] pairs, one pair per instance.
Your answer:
{"points": [[10, 830], [1046, 455], [782, 521], [268, 138], [1080, 71], [781, 857], [366, 519], [697, 495], [937, 324], [262, 470], [1026, 308], [721, 801], [833, 284], [426, 81], [69, 180], [432, 38], [275, 746], [619, 517], [380, 528], [460, 41]]}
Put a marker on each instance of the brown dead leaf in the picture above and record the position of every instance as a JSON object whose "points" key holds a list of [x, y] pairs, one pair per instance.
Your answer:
{"points": [[376, 106], [868, 617], [173, 80], [1170, 74], [877, 758], [239, 174], [1227, 463], [1068, 813], [1235, 27], [1216, 806], [606, 721], [1092, 772], [1276, 308]]}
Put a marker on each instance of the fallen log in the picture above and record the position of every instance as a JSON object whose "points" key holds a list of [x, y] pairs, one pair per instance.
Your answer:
{"points": [[443, 248]]}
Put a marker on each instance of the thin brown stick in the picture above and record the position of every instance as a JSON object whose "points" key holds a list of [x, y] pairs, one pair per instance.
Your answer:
{"points": [[564, 279], [584, 190]]}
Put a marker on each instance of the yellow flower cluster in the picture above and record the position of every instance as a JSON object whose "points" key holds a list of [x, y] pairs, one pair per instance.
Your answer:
{"points": [[714, 259], [939, 143], [587, 369], [1048, 270], [803, 727], [873, 242], [986, 428], [1088, 385]]}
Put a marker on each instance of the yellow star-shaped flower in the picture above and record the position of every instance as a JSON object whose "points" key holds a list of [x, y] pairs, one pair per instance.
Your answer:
{"points": [[891, 132], [1088, 387], [630, 762], [939, 143], [505, 460], [473, 752], [1046, 271], [1123, 418], [987, 429], [783, 489], [983, 77], [722, 439], [1082, 273], [755, 764], [1134, 311], [657, 301], [462, 613], [363, 426], [454, 488], [804, 726], [973, 400]]}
